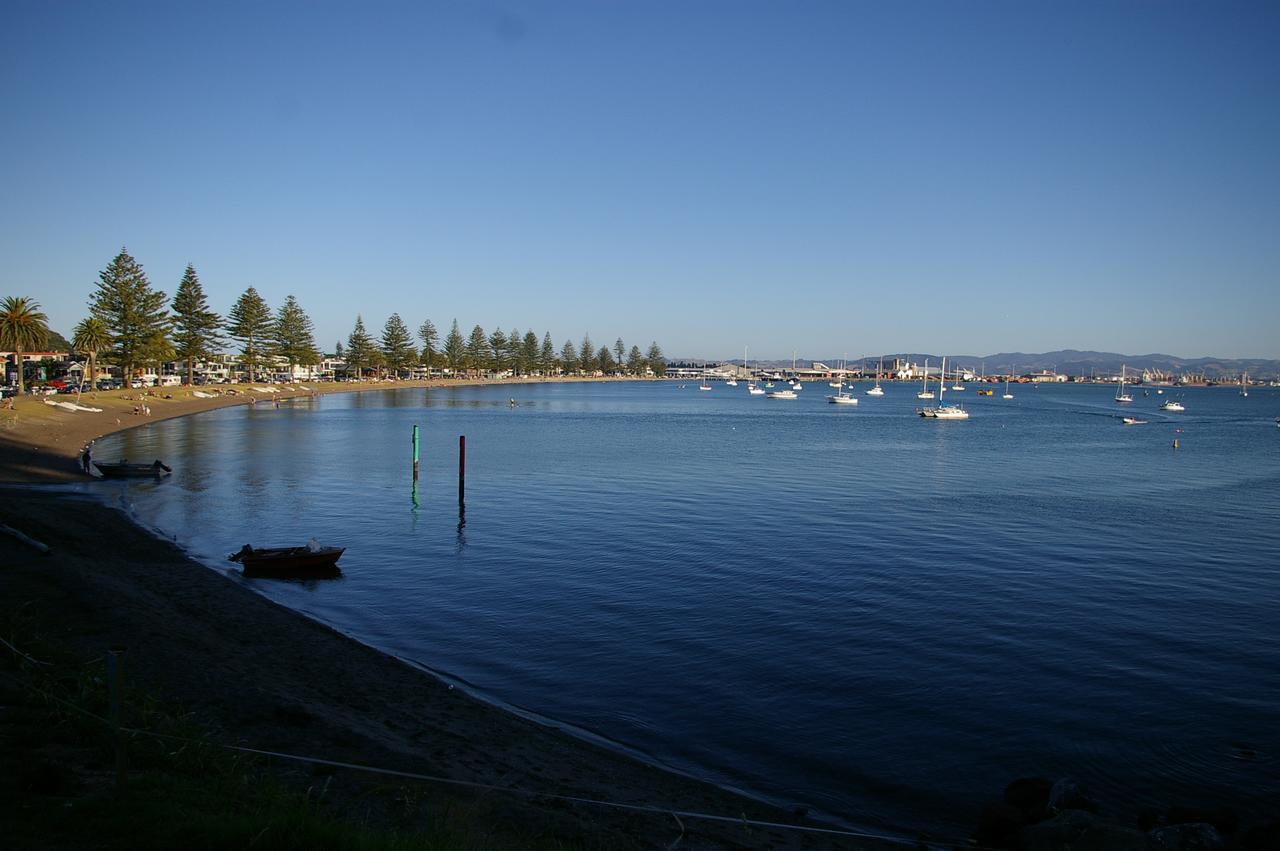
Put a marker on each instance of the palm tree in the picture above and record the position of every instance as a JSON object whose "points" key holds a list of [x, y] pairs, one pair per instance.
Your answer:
{"points": [[91, 337], [23, 328]]}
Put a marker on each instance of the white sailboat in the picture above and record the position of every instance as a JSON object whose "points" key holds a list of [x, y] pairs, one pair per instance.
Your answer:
{"points": [[1007, 394], [1244, 384], [795, 379], [944, 412], [752, 388], [841, 397], [838, 383], [957, 386], [924, 389], [877, 390], [1122, 396]]}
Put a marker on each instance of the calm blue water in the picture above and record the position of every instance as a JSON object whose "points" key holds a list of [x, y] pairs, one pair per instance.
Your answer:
{"points": [[881, 617]]}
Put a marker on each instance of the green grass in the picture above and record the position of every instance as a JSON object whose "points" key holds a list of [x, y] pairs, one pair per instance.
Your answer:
{"points": [[58, 783]]}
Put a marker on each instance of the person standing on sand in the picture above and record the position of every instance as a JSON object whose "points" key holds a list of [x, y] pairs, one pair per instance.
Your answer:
{"points": [[87, 457]]}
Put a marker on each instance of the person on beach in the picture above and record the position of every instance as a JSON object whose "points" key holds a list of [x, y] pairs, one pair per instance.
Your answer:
{"points": [[87, 457]]}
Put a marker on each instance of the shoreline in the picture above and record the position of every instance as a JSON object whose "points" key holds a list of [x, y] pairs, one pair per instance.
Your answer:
{"points": [[198, 639]]}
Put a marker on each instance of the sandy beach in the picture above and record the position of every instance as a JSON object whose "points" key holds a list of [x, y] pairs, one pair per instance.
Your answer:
{"points": [[260, 675]]}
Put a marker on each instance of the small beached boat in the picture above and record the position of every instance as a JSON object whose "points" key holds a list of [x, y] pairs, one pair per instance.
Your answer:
{"points": [[125, 470], [309, 561]]}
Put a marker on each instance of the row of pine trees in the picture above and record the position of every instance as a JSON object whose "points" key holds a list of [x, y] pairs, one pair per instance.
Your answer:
{"points": [[135, 325]]}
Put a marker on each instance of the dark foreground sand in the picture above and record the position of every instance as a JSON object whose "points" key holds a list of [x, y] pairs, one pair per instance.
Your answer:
{"points": [[258, 674]]}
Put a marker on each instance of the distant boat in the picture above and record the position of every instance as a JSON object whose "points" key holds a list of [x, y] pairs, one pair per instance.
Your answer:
{"points": [[944, 412], [125, 470], [924, 389], [877, 390], [751, 385], [1007, 394], [1122, 396], [311, 561], [783, 394], [704, 385], [1133, 421], [841, 397], [1244, 384], [1172, 405], [957, 386]]}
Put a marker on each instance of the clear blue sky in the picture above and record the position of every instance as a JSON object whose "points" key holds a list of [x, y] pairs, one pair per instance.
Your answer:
{"points": [[828, 177]]}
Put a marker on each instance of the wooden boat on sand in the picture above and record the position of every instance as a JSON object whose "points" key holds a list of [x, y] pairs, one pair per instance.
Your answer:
{"points": [[311, 561], [125, 470]]}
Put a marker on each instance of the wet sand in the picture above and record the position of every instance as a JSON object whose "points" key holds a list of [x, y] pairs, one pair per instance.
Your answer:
{"points": [[261, 675]]}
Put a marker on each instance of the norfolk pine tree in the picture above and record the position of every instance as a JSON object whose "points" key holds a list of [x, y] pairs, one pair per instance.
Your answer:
{"points": [[657, 362], [430, 341], [477, 349], [568, 357], [293, 336], [133, 312], [498, 350], [587, 355], [359, 347], [250, 324], [455, 348], [635, 361], [529, 351], [197, 330], [547, 355], [397, 345]]}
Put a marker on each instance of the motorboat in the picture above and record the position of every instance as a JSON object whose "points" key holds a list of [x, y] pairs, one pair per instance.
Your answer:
{"points": [[1133, 421], [1172, 405], [783, 394], [124, 470], [311, 560]]}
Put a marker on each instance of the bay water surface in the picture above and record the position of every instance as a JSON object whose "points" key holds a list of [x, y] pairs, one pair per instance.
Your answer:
{"points": [[879, 617]]}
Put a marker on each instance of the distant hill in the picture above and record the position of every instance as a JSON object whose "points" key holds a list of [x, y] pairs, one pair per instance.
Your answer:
{"points": [[1067, 362]]}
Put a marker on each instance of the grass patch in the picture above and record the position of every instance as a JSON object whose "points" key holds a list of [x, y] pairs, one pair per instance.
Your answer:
{"points": [[58, 782]]}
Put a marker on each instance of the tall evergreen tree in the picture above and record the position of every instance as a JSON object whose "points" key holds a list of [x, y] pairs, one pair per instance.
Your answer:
{"points": [[587, 355], [23, 328], [635, 361], [360, 348], [569, 358], [477, 349], [339, 352], [498, 357], [547, 355], [529, 351], [657, 361], [514, 354], [133, 312], [90, 337], [250, 323], [197, 330], [619, 352], [430, 342], [293, 336], [604, 360], [397, 344], [455, 348]]}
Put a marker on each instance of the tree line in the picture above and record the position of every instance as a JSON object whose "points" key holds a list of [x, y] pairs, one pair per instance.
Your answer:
{"points": [[134, 325]]}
